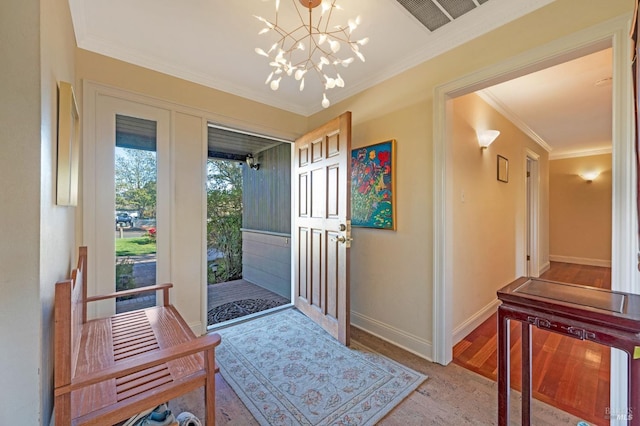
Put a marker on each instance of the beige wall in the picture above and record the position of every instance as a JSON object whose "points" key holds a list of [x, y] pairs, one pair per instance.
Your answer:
{"points": [[488, 215], [392, 271], [219, 107], [38, 237], [391, 277], [580, 212]]}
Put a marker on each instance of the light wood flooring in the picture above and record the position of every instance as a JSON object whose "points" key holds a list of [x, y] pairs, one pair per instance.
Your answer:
{"points": [[568, 373]]}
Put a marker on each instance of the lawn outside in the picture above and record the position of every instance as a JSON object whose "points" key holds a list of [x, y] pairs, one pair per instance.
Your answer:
{"points": [[138, 246]]}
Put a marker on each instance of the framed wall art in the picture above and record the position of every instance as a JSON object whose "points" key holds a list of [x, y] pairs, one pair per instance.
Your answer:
{"points": [[68, 146], [503, 169], [373, 186]]}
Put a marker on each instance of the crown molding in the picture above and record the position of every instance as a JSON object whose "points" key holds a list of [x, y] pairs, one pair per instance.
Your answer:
{"points": [[580, 153], [489, 98]]}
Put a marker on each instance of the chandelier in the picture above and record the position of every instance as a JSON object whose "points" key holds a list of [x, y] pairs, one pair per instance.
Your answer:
{"points": [[311, 46]]}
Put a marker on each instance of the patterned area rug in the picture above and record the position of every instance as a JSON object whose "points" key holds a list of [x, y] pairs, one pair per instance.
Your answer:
{"points": [[288, 371], [238, 309]]}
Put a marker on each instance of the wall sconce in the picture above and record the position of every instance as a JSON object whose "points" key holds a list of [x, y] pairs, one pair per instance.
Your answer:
{"points": [[486, 137], [251, 162], [589, 176]]}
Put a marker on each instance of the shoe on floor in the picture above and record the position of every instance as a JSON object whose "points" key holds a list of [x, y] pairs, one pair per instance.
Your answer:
{"points": [[188, 419]]}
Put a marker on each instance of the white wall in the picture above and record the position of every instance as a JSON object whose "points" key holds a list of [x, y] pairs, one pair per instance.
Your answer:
{"points": [[37, 244]]}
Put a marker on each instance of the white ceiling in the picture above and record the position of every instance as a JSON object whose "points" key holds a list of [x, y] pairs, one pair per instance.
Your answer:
{"points": [[567, 107], [212, 42]]}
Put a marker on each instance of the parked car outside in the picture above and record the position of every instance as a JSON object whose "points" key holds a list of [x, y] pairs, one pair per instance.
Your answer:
{"points": [[124, 219]]}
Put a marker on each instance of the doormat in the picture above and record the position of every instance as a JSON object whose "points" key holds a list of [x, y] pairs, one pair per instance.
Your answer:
{"points": [[239, 308], [287, 370]]}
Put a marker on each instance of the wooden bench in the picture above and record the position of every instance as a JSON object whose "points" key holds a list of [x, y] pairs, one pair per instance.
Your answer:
{"points": [[109, 369]]}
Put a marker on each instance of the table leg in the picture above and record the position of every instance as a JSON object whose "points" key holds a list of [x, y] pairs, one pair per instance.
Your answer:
{"points": [[504, 347], [526, 374], [633, 394]]}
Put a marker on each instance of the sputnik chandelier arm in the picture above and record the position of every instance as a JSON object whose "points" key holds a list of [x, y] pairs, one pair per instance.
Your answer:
{"points": [[308, 47]]}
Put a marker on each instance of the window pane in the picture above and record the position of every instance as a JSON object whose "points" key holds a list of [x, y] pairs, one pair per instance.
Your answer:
{"points": [[135, 220]]}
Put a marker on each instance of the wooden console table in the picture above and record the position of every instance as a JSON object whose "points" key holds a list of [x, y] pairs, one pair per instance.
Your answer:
{"points": [[607, 317]]}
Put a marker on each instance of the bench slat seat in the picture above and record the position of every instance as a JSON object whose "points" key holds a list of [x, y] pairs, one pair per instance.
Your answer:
{"points": [[125, 363]]}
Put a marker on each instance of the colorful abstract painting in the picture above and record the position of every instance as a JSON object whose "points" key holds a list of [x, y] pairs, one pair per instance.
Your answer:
{"points": [[372, 183]]}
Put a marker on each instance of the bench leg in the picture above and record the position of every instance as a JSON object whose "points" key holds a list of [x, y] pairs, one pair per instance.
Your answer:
{"points": [[210, 388]]}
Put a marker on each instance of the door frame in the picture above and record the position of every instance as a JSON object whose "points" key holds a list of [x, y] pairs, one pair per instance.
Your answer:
{"points": [[531, 240], [613, 33]]}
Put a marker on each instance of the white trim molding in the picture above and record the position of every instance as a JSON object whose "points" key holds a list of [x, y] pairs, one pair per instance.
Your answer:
{"points": [[388, 333], [613, 33], [463, 330], [581, 261]]}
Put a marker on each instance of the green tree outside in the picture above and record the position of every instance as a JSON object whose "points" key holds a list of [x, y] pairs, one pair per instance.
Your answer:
{"points": [[136, 178], [224, 217]]}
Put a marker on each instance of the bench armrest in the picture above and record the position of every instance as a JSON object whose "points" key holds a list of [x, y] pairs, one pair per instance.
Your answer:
{"points": [[163, 287], [142, 362]]}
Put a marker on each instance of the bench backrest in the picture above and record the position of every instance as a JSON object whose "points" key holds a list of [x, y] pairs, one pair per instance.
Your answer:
{"points": [[69, 314]]}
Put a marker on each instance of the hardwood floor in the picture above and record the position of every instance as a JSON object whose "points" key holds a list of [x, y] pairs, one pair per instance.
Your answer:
{"points": [[570, 374]]}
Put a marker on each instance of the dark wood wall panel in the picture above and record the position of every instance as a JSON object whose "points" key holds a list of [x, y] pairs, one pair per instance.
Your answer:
{"points": [[267, 192]]}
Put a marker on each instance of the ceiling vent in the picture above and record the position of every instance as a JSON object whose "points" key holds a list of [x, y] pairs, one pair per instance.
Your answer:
{"points": [[433, 14]]}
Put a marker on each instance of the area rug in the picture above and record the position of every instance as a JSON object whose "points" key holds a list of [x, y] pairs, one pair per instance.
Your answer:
{"points": [[288, 371], [239, 308]]}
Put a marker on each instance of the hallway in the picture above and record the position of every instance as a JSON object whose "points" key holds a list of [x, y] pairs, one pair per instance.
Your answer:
{"points": [[569, 374]]}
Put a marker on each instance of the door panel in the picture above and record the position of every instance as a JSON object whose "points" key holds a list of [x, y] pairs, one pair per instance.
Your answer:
{"points": [[322, 225]]}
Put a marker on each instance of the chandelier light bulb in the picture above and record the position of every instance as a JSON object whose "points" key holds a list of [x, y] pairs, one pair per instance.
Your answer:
{"points": [[312, 44], [325, 101], [353, 24]]}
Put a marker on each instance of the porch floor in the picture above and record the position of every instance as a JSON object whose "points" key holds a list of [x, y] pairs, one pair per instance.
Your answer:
{"points": [[227, 293], [234, 299]]}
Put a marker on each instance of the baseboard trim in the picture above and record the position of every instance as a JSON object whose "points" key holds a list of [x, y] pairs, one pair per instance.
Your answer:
{"points": [[581, 261], [388, 333], [196, 327], [474, 321], [545, 267]]}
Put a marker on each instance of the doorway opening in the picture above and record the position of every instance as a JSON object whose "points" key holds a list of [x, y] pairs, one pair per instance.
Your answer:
{"points": [[622, 170], [248, 225]]}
